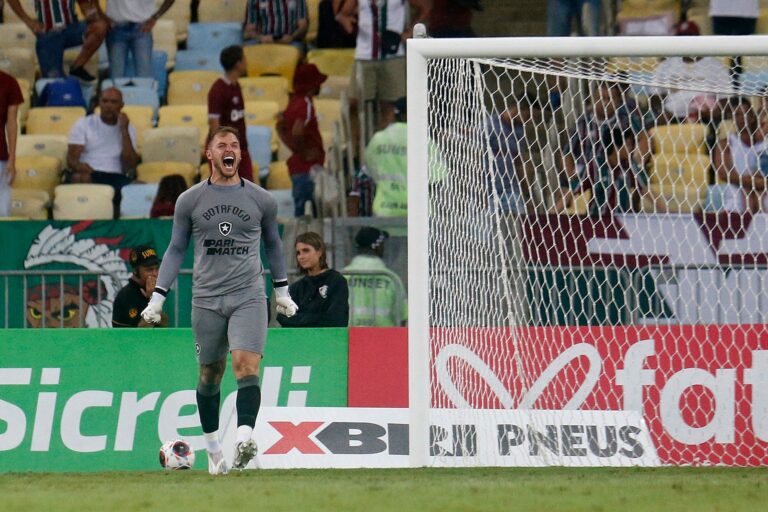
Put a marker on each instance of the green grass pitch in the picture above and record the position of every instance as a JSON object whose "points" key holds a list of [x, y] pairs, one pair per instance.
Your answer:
{"points": [[400, 490]]}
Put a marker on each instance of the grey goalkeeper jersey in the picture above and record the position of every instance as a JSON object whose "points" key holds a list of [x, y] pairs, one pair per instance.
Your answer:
{"points": [[227, 224]]}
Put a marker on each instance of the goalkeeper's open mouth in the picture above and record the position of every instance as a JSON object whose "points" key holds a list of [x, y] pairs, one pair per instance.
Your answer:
{"points": [[228, 161]]}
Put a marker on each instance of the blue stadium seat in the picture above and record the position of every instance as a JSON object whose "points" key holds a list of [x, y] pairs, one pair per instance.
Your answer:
{"points": [[134, 81], [213, 36], [205, 59], [260, 145], [159, 71], [137, 199]]}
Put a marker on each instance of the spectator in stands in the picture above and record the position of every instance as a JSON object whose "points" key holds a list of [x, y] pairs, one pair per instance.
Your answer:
{"points": [[10, 99], [322, 294], [736, 160], [379, 72], [387, 164], [561, 14], [130, 32], [681, 104], [102, 146], [298, 129], [226, 106], [134, 296], [330, 33], [168, 191], [585, 155], [508, 145], [57, 28], [376, 294], [447, 18], [277, 22]]}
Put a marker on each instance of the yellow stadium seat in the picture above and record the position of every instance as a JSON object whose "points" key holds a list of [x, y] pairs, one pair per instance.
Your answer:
{"points": [[26, 92], [53, 120], [328, 112], [83, 201], [679, 138], [580, 204], [172, 143], [49, 145], [680, 170], [278, 178], [333, 61], [313, 13], [643, 8], [263, 113], [190, 87], [19, 62], [272, 59], [680, 199], [260, 88], [39, 172], [335, 87], [153, 172], [725, 128], [165, 37], [16, 35], [180, 13], [204, 172], [29, 203], [10, 17], [186, 115], [223, 10]]}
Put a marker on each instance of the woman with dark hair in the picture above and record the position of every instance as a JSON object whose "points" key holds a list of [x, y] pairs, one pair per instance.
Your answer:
{"points": [[168, 191], [322, 294]]}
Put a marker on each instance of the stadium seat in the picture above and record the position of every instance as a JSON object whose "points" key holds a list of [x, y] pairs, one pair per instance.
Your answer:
{"points": [[725, 128], [679, 138], [272, 88], [284, 198], [19, 62], [215, 36], [153, 172], [580, 204], [159, 72], [198, 60], [333, 61], [680, 169], [190, 87], [53, 120], [29, 204], [313, 13], [204, 171], [39, 172], [10, 17], [48, 145], [272, 59], [186, 115], [133, 81], [26, 92], [180, 13], [172, 143], [136, 200], [92, 66], [262, 113], [165, 38], [278, 178], [83, 201], [16, 35], [141, 96], [680, 199], [223, 10], [260, 145], [334, 87], [328, 113]]}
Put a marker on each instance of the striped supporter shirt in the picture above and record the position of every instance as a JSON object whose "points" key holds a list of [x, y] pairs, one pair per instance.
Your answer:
{"points": [[276, 17], [55, 14]]}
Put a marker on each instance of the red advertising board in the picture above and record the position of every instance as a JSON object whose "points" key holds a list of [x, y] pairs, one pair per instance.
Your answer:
{"points": [[703, 389]]}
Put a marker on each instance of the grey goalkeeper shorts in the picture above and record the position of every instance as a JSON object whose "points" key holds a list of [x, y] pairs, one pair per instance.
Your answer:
{"points": [[237, 321]]}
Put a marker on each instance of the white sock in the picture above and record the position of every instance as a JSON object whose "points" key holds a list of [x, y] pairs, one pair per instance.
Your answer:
{"points": [[244, 433], [212, 442]]}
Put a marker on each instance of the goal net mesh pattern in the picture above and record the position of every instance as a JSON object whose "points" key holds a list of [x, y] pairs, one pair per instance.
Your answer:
{"points": [[597, 243]]}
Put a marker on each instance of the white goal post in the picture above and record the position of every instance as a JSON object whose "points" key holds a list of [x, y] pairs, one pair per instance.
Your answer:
{"points": [[656, 335]]}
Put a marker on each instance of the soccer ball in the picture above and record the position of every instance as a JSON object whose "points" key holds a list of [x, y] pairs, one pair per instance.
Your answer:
{"points": [[177, 454]]}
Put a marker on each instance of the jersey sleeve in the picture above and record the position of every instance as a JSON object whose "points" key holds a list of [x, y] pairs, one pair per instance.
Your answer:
{"points": [[180, 236]]}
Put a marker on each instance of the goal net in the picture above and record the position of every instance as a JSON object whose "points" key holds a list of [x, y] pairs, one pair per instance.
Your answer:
{"points": [[588, 251]]}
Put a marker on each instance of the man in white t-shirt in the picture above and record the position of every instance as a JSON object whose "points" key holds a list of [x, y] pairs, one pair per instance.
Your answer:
{"points": [[102, 146]]}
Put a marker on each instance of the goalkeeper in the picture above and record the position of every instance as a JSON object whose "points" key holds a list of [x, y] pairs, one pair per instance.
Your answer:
{"points": [[228, 217]]}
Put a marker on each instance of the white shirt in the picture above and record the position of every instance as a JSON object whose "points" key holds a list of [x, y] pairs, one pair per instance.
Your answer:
{"points": [[735, 8], [135, 11], [102, 143], [706, 74], [366, 27]]}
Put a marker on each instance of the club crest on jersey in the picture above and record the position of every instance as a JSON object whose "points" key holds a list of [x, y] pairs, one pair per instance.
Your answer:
{"points": [[225, 228]]}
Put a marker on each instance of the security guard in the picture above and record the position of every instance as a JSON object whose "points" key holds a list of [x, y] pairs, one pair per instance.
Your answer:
{"points": [[134, 296]]}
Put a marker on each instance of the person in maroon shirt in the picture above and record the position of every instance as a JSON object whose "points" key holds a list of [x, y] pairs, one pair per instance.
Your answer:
{"points": [[226, 106], [10, 99], [297, 128]]}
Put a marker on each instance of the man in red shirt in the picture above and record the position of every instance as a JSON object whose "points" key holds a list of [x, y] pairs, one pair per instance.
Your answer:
{"points": [[297, 128], [10, 98], [226, 106]]}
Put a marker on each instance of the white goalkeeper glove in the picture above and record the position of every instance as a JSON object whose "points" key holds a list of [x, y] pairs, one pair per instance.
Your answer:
{"points": [[152, 314], [285, 305]]}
